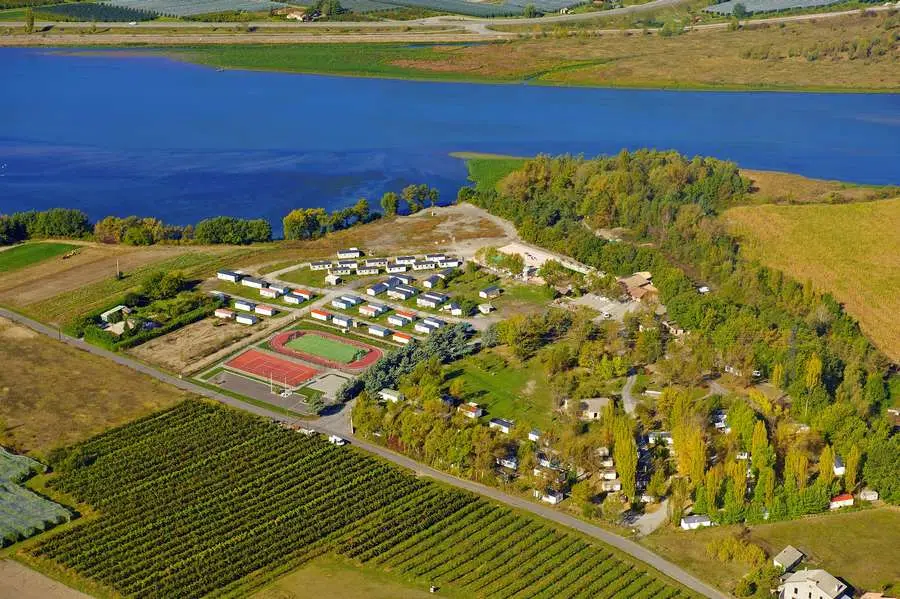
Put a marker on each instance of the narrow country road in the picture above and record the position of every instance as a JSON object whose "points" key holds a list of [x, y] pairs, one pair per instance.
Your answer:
{"points": [[621, 543], [628, 401]]}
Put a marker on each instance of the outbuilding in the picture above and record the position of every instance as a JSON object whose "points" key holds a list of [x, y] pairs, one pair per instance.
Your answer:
{"points": [[246, 319], [224, 313], [229, 275], [839, 501], [320, 315], [378, 331], [244, 305], [265, 310], [333, 279], [353, 252], [402, 338], [489, 292], [787, 558], [485, 308], [109, 315], [254, 282]]}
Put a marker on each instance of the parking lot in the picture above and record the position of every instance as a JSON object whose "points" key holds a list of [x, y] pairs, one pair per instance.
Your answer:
{"points": [[616, 309]]}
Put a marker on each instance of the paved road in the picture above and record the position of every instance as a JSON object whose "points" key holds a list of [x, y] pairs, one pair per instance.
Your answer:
{"points": [[628, 400], [629, 547]]}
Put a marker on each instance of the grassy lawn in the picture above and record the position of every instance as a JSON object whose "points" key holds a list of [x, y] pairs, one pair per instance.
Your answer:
{"points": [[357, 334], [21, 256], [315, 278], [505, 388], [487, 171], [326, 348], [860, 547], [52, 394], [849, 250]]}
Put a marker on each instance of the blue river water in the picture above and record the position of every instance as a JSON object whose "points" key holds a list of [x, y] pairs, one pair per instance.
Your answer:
{"points": [[131, 133]]}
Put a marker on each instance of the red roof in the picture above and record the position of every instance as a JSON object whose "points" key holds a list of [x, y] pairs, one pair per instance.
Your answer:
{"points": [[302, 292], [270, 308], [403, 336], [843, 497], [322, 312], [406, 314]]}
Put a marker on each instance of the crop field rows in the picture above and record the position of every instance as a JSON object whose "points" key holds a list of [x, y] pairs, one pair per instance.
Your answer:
{"points": [[186, 8], [756, 6], [463, 7], [201, 499], [24, 514]]}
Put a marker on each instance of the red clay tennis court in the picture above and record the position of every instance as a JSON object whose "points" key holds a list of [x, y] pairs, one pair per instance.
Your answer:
{"points": [[265, 366]]}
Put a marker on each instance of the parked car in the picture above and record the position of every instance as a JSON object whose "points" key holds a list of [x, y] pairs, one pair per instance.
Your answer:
{"points": [[335, 440]]}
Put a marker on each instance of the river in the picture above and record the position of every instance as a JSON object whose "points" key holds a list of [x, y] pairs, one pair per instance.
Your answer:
{"points": [[134, 133]]}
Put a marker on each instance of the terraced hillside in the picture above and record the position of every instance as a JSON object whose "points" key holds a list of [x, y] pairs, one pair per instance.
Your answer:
{"points": [[201, 499]]}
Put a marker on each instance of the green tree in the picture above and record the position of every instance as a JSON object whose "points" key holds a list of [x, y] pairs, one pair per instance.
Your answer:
{"points": [[882, 468], [304, 223], [813, 372], [390, 201], [625, 455], [875, 392], [851, 467], [138, 235], [740, 11], [530, 11], [826, 465], [29, 20]]}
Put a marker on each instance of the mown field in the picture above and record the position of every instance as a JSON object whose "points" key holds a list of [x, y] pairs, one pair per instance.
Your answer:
{"points": [[21, 256], [849, 250], [823, 55], [200, 498]]}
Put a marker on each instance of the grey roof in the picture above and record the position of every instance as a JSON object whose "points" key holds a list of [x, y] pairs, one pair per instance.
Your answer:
{"points": [[788, 557], [502, 422], [825, 582], [696, 518]]}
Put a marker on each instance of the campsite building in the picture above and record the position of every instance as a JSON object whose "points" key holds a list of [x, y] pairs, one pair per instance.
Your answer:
{"points": [[229, 275], [247, 319], [320, 315], [353, 252], [254, 282]]}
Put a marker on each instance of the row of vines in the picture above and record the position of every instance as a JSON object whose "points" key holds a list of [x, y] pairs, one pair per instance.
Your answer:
{"points": [[201, 500]]}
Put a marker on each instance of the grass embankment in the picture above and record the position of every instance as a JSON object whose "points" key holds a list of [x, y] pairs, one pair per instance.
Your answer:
{"points": [[836, 54], [487, 170], [859, 547], [31, 253], [52, 394], [849, 250]]}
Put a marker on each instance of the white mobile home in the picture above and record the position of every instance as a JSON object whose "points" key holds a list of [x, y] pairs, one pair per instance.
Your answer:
{"points": [[341, 304], [320, 265], [399, 320], [244, 305], [395, 268], [266, 310], [390, 395], [229, 275], [501, 424], [405, 260], [292, 298], [224, 313], [269, 292], [342, 321], [353, 252], [376, 289], [320, 315], [253, 282], [367, 270], [378, 331], [246, 319], [343, 271]]}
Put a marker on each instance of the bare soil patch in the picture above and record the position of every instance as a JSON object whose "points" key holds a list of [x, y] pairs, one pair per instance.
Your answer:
{"points": [[180, 350], [776, 187], [21, 582]]}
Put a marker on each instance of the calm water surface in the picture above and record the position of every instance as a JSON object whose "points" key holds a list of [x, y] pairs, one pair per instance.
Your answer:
{"points": [[115, 134]]}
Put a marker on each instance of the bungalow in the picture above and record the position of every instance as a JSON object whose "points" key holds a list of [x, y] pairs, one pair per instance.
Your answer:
{"points": [[812, 583], [470, 410], [347, 263], [399, 320], [842, 500], [269, 292], [378, 331], [108, 315], [489, 292], [431, 282], [485, 308], [401, 338], [434, 322], [367, 270], [534, 435], [292, 298], [404, 279], [353, 252], [435, 257], [590, 409], [610, 486], [405, 260], [787, 558], [253, 282], [340, 271], [510, 461], [395, 268], [453, 308], [229, 275], [372, 310], [426, 301], [550, 496], [342, 321], [282, 289], [376, 289], [224, 313], [450, 263], [244, 305], [501, 424], [376, 262], [246, 319], [390, 395], [695, 521], [333, 279], [320, 315], [320, 265], [304, 293], [838, 466], [424, 265], [401, 292], [421, 327], [341, 304], [353, 299], [265, 310]]}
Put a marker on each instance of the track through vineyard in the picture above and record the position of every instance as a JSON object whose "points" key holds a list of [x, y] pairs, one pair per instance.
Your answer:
{"points": [[202, 499]]}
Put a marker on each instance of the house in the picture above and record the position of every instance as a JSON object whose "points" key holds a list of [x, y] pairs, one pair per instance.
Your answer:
{"points": [[341, 271], [367, 270], [695, 521], [376, 262], [376, 289], [378, 331], [401, 292], [244, 305], [534, 435], [489, 292], [109, 315], [333, 279], [320, 265], [341, 304], [224, 313], [510, 461], [320, 315], [787, 558], [470, 410], [292, 298], [673, 328], [453, 308], [417, 265], [838, 466], [431, 282], [610, 486], [390, 395], [350, 253], [246, 319], [405, 260], [433, 322], [868, 495], [485, 308], [372, 310], [269, 292], [638, 287], [590, 409], [342, 321], [450, 263], [550, 496], [401, 338], [254, 283], [399, 320], [839, 501], [815, 584], [501, 424], [395, 268], [660, 437], [265, 310], [421, 327], [229, 275]]}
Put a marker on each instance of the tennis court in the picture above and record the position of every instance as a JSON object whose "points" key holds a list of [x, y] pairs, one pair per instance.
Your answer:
{"points": [[268, 366], [325, 347]]}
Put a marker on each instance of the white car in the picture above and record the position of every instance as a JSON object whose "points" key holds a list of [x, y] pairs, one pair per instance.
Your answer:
{"points": [[607, 315], [335, 440]]}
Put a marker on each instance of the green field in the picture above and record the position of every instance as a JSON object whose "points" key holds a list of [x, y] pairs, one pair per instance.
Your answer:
{"points": [[329, 349], [264, 501], [486, 170], [21, 256]]}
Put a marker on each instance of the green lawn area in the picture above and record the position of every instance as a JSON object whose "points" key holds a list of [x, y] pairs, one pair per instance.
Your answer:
{"points": [[860, 547], [487, 171], [329, 349], [505, 388], [315, 278], [359, 334], [21, 256]]}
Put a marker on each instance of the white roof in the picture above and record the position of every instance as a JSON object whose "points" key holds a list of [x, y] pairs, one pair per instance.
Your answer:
{"points": [[825, 582], [788, 556]]}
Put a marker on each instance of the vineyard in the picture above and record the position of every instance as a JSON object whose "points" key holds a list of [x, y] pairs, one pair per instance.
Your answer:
{"points": [[23, 513], [201, 499], [16, 468], [88, 11]]}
